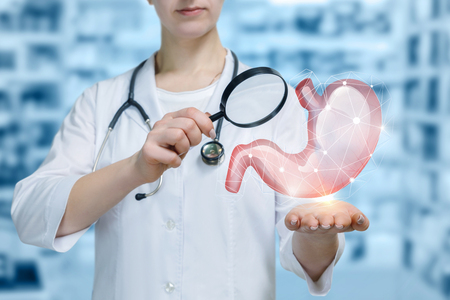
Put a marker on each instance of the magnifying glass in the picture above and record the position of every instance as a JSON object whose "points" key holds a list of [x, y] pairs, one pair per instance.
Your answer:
{"points": [[251, 99]]}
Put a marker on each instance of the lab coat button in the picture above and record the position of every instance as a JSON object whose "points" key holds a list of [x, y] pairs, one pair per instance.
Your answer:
{"points": [[170, 287], [170, 225]]}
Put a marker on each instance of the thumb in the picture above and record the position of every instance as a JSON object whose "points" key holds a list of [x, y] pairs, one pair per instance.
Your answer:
{"points": [[208, 114]]}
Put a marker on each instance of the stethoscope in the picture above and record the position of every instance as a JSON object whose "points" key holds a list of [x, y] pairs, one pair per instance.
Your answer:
{"points": [[212, 152]]}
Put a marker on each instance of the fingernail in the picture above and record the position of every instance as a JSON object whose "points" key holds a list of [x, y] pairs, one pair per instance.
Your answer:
{"points": [[293, 222], [339, 226], [326, 226], [313, 227], [360, 220], [212, 134]]}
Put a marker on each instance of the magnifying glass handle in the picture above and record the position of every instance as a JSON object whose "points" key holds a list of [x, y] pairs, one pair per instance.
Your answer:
{"points": [[216, 116]]}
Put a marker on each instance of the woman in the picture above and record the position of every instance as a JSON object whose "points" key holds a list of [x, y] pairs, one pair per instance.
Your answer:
{"points": [[192, 239]]}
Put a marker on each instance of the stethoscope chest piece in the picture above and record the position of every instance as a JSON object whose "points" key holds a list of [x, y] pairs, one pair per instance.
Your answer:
{"points": [[213, 153]]}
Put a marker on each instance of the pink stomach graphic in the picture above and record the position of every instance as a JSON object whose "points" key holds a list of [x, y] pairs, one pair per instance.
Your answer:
{"points": [[344, 125]]}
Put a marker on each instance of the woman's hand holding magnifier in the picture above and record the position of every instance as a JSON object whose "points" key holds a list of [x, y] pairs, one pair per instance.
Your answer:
{"points": [[170, 140]]}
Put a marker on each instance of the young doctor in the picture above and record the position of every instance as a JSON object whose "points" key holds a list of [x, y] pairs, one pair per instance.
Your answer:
{"points": [[192, 239]]}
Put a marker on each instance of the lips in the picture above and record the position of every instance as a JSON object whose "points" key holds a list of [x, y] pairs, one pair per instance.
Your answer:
{"points": [[191, 11]]}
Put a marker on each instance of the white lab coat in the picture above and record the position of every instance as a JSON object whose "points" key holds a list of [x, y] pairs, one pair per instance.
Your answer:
{"points": [[220, 245]]}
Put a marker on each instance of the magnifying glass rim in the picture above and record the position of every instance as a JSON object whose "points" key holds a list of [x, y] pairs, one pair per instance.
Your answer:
{"points": [[244, 76]]}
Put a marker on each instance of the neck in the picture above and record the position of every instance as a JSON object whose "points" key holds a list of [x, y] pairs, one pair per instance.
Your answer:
{"points": [[190, 56]]}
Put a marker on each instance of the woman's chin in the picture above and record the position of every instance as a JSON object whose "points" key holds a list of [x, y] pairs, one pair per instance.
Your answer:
{"points": [[192, 31]]}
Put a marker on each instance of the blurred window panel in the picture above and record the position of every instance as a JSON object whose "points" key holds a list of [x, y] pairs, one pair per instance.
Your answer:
{"points": [[413, 50], [434, 182], [434, 51], [41, 15], [411, 93], [412, 138], [5, 101], [430, 142], [7, 60], [41, 56], [308, 20], [446, 48], [346, 14], [382, 24], [2, 269], [435, 10], [41, 95], [407, 253], [6, 21], [433, 95], [45, 132], [27, 275]]}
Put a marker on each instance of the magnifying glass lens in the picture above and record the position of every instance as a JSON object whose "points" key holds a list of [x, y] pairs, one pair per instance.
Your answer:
{"points": [[255, 100]]}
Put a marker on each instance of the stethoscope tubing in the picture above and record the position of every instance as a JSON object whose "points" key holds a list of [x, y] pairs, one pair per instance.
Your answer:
{"points": [[131, 102]]}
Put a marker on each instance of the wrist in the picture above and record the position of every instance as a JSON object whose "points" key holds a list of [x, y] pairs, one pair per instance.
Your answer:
{"points": [[134, 170]]}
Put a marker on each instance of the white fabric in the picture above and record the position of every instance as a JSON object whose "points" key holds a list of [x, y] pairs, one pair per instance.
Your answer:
{"points": [[222, 245], [171, 101]]}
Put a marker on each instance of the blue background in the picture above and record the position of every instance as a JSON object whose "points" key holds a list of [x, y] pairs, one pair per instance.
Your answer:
{"points": [[51, 50]]}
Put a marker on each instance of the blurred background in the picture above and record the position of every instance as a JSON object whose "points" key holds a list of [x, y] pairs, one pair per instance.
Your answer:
{"points": [[51, 50]]}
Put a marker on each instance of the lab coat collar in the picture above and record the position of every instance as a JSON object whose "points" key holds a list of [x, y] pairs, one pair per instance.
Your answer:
{"points": [[145, 91]]}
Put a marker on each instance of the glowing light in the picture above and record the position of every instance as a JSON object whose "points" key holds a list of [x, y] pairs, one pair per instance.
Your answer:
{"points": [[352, 180], [356, 120], [382, 127], [371, 85], [315, 170], [344, 83], [370, 154], [328, 107], [325, 152], [281, 169], [327, 199], [250, 155]]}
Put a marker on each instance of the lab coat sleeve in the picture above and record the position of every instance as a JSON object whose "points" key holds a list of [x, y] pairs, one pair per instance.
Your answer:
{"points": [[40, 200], [288, 260], [291, 135]]}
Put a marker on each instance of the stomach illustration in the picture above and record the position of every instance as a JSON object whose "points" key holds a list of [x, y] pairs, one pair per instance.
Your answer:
{"points": [[344, 126]]}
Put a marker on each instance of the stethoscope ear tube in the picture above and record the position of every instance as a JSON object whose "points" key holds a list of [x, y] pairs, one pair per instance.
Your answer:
{"points": [[141, 196], [130, 102], [213, 153], [209, 158]]}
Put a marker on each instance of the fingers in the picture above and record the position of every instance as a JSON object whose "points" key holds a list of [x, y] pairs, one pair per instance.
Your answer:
{"points": [[162, 155], [176, 139], [326, 221], [189, 127], [293, 219], [360, 222], [172, 136], [342, 221], [297, 219], [319, 222], [201, 119], [309, 222]]}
